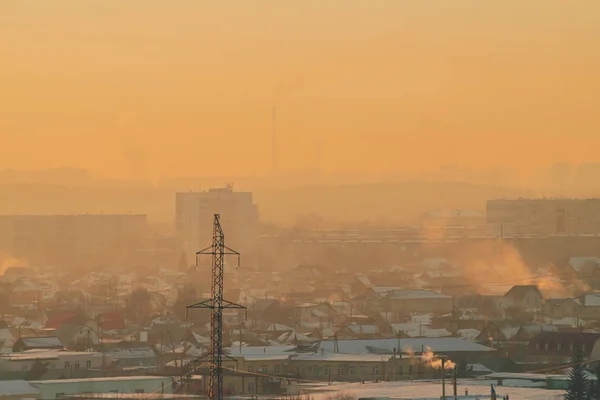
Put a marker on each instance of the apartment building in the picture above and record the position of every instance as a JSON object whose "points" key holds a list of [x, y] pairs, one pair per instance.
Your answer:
{"points": [[239, 219], [543, 216], [47, 239]]}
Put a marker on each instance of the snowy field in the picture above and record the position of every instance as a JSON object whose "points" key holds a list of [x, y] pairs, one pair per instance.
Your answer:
{"points": [[430, 390]]}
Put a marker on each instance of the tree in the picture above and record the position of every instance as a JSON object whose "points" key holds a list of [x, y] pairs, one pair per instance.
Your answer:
{"points": [[578, 385], [139, 305], [37, 371], [594, 386]]}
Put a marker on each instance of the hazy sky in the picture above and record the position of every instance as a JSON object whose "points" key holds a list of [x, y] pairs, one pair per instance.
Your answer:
{"points": [[148, 88]]}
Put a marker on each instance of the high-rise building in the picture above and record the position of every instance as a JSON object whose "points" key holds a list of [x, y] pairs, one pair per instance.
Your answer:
{"points": [[239, 219], [544, 216]]}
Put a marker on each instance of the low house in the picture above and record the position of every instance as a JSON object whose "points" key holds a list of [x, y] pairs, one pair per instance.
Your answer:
{"points": [[358, 331], [560, 308], [38, 343], [7, 340], [524, 297], [52, 364], [589, 306], [77, 337], [55, 321], [338, 367], [585, 267], [314, 315], [561, 347], [111, 321], [455, 348], [54, 389], [401, 302]]}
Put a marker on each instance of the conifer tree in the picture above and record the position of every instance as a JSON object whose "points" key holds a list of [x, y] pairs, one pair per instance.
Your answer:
{"points": [[578, 388]]}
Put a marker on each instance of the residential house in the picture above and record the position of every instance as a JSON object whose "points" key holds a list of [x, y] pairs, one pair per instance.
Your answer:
{"points": [[110, 321], [560, 347], [70, 318], [560, 308], [402, 302], [322, 366], [589, 306], [77, 337], [58, 364], [37, 343], [456, 348], [524, 297], [314, 315], [7, 340], [585, 268], [358, 331]]}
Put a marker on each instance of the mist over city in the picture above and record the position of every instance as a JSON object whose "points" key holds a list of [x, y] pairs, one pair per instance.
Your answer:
{"points": [[335, 200]]}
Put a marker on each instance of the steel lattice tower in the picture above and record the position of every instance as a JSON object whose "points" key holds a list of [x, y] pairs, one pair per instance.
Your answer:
{"points": [[216, 304]]}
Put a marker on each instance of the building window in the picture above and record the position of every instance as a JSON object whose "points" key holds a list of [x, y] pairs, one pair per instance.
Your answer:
{"points": [[77, 365], [375, 371], [547, 346], [231, 387], [277, 369], [88, 364], [315, 370], [251, 387], [352, 370], [67, 365], [401, 371]]}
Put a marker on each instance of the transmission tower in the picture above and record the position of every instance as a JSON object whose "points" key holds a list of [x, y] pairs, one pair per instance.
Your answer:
{"points": [[216, 304]]}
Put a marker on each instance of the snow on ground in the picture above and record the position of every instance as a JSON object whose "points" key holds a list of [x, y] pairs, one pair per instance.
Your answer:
{"points": [[429, 390]]}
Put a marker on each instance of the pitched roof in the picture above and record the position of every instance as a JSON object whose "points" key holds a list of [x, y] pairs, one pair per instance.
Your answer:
{"points": [[518, 292], [45, 342], [386, 346], [58, 320]]}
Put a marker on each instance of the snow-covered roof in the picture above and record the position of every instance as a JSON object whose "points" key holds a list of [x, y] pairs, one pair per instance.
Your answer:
{"points": [[17, 388], [258, 350], [577, 263], [338, 357], [127, 353], [416, 294], [510, 332], [417, 330], [386, 346], [590, 299], [468, 334], [363, 329]]}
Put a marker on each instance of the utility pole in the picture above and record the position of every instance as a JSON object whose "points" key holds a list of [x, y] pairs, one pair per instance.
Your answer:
{"points": [[216, 304]]}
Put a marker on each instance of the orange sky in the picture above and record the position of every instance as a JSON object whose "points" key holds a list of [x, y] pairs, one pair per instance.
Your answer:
{"points": [[155, 89]]}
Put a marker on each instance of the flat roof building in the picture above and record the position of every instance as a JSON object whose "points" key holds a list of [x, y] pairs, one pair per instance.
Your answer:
{"points": [[543, 216], [239, 219]]}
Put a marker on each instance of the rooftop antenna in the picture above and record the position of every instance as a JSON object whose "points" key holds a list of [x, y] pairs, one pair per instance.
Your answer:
{"points": [[216, 304]]}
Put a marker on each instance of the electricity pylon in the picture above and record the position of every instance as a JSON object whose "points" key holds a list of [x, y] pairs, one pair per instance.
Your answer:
{"points": [[216, 304]]}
